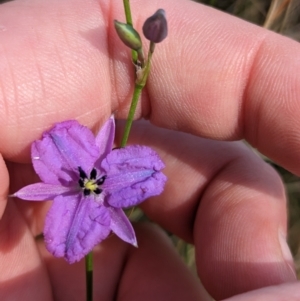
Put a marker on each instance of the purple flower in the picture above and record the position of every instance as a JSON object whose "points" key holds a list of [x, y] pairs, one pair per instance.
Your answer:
{"points": [[90, 184]]}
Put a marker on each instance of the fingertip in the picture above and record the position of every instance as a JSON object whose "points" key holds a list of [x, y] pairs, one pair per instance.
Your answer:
{"points": [[237, 222]]}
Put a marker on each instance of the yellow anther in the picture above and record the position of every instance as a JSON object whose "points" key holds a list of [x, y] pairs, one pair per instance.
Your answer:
{"points": [[90, 185]]}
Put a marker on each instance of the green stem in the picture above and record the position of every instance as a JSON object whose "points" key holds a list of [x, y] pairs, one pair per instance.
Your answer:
{"points": [[127, 12], [128, 16], [89, 276], [151, 47], [135, 98], [138, 87]]}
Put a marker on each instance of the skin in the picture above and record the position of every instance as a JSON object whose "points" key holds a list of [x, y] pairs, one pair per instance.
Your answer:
{"points": [[214, 77]]}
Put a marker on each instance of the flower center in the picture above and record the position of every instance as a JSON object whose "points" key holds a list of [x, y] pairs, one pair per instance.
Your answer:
{"points": [[90, 184]]}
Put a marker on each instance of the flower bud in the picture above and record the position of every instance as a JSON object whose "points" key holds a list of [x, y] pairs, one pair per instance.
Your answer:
{"points": [[129, 36], [155, 27]]}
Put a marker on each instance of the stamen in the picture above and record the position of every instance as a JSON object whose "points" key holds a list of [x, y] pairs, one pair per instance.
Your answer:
{"points": [[101, 180], [93, 174], [97, 190], [82, 174], [81, 182], [90, 185], [86, 192]]}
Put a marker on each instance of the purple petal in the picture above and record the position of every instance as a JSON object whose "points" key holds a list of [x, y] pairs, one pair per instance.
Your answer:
{"points": [[121, 226], [133, 157], [74, 225], [57, 156], [105, 137], [41, 192], [133, 174]]}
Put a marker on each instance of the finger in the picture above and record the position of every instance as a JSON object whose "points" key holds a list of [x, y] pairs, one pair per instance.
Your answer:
{"points": [[150, 272], [23, 275], [226, 79], [229, 203], [219, 78], [63, 65], [289, 291]]}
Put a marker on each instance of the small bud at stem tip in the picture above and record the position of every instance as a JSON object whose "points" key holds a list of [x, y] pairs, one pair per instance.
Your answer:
{"points": [[155, 27]]}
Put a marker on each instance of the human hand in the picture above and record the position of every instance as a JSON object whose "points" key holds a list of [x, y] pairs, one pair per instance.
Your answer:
{"points": [[214, 77]]}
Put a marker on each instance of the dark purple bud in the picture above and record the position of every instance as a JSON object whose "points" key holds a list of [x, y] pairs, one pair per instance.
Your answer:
{"points": [[155, 28]]}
